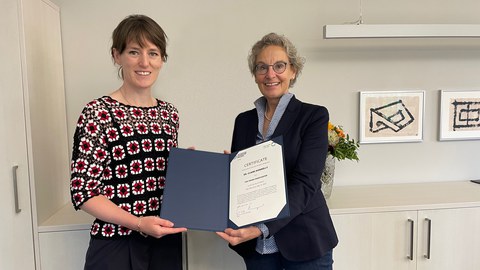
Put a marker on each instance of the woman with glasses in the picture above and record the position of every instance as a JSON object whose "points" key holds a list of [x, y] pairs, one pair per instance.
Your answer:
{"points": [[304, 240], [121, 146]]}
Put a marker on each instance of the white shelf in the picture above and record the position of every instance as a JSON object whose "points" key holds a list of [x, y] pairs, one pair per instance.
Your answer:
{"points": [[67, 219], [402, 31], [403, 197]]}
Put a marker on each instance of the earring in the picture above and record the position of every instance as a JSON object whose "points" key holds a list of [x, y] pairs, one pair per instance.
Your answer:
{"points": [[120, 72]]}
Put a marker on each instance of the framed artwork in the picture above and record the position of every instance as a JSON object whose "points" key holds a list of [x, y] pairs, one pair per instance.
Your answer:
{"points": [[459, 115], [391, 116]]}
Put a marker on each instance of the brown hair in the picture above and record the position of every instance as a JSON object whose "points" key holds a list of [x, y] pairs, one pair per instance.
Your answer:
{"points": [[139, 28]]}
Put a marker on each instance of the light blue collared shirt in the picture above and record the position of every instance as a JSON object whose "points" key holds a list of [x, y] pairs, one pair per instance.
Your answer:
{"points": [[265, 244]]}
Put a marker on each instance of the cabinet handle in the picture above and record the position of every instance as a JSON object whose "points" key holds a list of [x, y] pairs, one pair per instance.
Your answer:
{"points": [[412, 223], [15, 189], [429, 236]]}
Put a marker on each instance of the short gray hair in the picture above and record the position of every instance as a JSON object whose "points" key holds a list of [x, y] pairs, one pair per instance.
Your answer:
{"points": [[277, 40]]}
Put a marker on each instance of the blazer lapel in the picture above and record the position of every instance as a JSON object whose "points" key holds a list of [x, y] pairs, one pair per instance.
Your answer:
{"points": [[251, 129], [289, 116]]}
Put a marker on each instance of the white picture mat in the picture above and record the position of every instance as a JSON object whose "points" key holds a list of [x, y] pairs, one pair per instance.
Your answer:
{"points": [[380, 104], [447, 114]]}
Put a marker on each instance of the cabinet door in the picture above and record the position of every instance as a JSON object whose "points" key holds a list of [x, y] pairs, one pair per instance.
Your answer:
{"points": [[16, 237], [375, 241], [60, 249], [449, 239]]}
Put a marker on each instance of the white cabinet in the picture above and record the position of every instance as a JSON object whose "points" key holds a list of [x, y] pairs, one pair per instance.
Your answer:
{"points": [[64, 239], [64, 248], [385, 227], [449, 239], [374, 241], [379, 227], [33, 139], [432, 226], [16, 237]]}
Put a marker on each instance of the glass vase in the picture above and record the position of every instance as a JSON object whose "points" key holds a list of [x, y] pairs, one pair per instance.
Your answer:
{"points": [[327, 176]]}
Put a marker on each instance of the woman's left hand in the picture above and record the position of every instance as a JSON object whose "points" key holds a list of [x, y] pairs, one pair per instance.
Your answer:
{"points": [[235, 237], [158, 227]]}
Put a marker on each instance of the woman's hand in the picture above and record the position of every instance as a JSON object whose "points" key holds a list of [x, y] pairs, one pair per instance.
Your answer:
{"points": [[235, 237], [157, 227], [102, 208]]}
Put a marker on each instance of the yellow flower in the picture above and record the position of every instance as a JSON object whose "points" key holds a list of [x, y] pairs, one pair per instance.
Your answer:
{"points": [[330, 126]]}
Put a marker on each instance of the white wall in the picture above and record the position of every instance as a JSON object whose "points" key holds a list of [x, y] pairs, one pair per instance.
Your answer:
{"points": [[207, 77]]}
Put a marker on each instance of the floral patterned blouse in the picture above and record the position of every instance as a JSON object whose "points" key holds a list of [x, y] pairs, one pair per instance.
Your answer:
{"points": [[120, 152]]}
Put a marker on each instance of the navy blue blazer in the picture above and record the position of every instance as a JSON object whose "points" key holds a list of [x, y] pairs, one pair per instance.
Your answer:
{"points": [[309, 232]]}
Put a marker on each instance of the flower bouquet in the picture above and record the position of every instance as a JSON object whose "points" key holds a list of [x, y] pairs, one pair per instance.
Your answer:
{"points": [[340, 147]]}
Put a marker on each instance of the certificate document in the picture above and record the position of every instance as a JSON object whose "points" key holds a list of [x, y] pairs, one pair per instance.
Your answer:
{"points": [[257, 184], [213, 191]]}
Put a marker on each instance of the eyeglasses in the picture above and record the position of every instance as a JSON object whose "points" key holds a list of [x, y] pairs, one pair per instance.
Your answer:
{"points": [[279, 67]]}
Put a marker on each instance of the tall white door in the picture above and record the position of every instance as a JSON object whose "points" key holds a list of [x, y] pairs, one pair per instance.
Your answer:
{"points": [[16, 235]]}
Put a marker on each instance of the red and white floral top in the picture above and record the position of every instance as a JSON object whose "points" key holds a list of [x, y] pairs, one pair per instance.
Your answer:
{"points": [[121, 152]]}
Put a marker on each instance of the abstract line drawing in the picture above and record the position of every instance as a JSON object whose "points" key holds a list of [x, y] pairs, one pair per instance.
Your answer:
{"points": [[391, 116], [466, 115], [459, 115], [394, 116]]}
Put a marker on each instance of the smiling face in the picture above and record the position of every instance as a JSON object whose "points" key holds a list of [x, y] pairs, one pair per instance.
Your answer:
{"points": [[140, 64], [271, 84]]}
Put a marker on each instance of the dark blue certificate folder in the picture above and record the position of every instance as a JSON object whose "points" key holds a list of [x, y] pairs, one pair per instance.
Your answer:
{"points": [[197, 189]]}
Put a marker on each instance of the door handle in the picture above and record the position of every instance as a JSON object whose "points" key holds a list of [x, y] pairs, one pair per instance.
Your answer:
{"points": [[429, 237], [15, 189], [412, 223]]}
